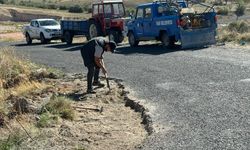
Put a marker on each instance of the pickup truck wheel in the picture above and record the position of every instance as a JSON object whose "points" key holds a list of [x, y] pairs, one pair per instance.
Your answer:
{"points": [[68, 38], [132, 41], [28, 39], [172, 42], [165, 40], [42, 38]]}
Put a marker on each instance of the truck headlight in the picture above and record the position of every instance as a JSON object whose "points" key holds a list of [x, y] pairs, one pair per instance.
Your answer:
{"points": [[48, 30]]}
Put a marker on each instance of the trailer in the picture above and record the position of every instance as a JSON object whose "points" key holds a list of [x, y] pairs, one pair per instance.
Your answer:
{"points": [[107, 20]]}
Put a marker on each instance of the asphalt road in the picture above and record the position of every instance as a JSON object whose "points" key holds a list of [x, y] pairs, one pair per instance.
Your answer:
{"points": [[198, 99]]}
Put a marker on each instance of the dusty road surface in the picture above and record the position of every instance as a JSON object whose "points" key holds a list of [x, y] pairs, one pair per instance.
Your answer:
{"points": [[198, 99]]}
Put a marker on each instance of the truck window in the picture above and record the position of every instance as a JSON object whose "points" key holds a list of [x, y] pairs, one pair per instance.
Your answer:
{"points": [[139, 13], [36, 24], [148, 13], [107, 9], [95, 9], [160, 10], [32, 23], [100, 9], [118, 9]]}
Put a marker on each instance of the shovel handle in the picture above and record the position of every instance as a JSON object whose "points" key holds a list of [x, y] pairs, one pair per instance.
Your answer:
{"points": [[106, 75]]}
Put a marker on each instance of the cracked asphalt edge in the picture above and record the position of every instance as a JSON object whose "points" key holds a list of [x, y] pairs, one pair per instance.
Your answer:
{"points": [[136, 105]]}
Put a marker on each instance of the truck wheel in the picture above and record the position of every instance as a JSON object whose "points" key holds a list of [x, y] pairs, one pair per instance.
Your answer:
{"points": [[42, 38], [132, 41], [68, 37], [172, 41], [28, 39], [94, 30], [165, 39]]}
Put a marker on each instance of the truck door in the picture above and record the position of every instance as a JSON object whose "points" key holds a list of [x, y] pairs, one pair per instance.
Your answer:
{"points": [[139, 22], [34, 29], [147, 22], [31, 29]]}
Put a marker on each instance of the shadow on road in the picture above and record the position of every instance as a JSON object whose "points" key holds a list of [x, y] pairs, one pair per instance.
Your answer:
{"points": [[24, 44], [56, 45], [153, 49], [65, 47]]}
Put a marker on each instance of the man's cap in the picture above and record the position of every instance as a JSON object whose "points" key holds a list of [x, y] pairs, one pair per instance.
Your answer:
{"points": [[112, 45]]}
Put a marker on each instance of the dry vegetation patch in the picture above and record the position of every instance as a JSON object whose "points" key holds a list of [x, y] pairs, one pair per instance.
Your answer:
{"points": [[40, 109], [235, 32]]}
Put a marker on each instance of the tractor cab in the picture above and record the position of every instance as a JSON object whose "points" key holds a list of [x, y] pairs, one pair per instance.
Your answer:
{"points": [[107, 16], [108, 9]]}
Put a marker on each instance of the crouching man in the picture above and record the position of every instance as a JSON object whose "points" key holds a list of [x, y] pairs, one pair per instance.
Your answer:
{"points": [[92, 57]]}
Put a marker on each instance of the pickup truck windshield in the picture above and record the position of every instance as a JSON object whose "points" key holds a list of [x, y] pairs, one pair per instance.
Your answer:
{"points": [[48, 23]]}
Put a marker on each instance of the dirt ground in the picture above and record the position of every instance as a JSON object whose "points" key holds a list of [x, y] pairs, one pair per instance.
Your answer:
{"points": [[114, 127], [16, 36]]}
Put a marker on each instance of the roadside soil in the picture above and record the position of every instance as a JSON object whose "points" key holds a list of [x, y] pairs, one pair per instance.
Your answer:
{"points": [[114, 127], [15, 36]]}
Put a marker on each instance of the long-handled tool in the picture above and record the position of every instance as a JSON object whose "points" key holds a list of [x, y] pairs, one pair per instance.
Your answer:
{"points": [[94, 109], [107, 80]]}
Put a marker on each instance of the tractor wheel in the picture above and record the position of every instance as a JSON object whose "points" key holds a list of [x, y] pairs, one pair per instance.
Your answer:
{"points": [[113, 36], [68, 37], [28, 39], [120, 37], [132, 40], [116, 36], [63, 40], [165, 40], [94, 30], [42, 38]]}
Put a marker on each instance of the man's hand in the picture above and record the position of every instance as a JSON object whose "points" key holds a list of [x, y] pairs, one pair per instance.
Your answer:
{"points": [[104, 71]]}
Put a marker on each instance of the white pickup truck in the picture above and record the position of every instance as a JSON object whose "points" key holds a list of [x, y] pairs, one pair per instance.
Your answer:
{"points": [[42, 29]]}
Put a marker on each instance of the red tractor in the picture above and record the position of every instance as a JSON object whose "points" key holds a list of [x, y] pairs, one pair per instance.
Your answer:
{"points": [[107, 19]]}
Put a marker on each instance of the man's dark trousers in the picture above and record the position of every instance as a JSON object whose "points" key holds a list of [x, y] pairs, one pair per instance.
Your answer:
{"points": [[93, 71]]}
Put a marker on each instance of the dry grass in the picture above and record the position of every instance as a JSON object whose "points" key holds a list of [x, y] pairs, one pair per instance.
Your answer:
{"points": [[11, 66], [61, 106], [15, 75], [13, 141], [235, 32]]}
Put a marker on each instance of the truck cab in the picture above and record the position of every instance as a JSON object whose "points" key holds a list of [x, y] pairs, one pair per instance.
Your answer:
{"points": [[151, 20], [172, 22]]}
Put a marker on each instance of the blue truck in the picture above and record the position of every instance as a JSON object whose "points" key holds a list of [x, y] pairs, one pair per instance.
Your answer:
{"points": [[107, 20], [170, 22]]}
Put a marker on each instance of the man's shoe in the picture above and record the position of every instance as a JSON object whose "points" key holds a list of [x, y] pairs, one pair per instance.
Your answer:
{"points": [[91, 91], [98, 83]]}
